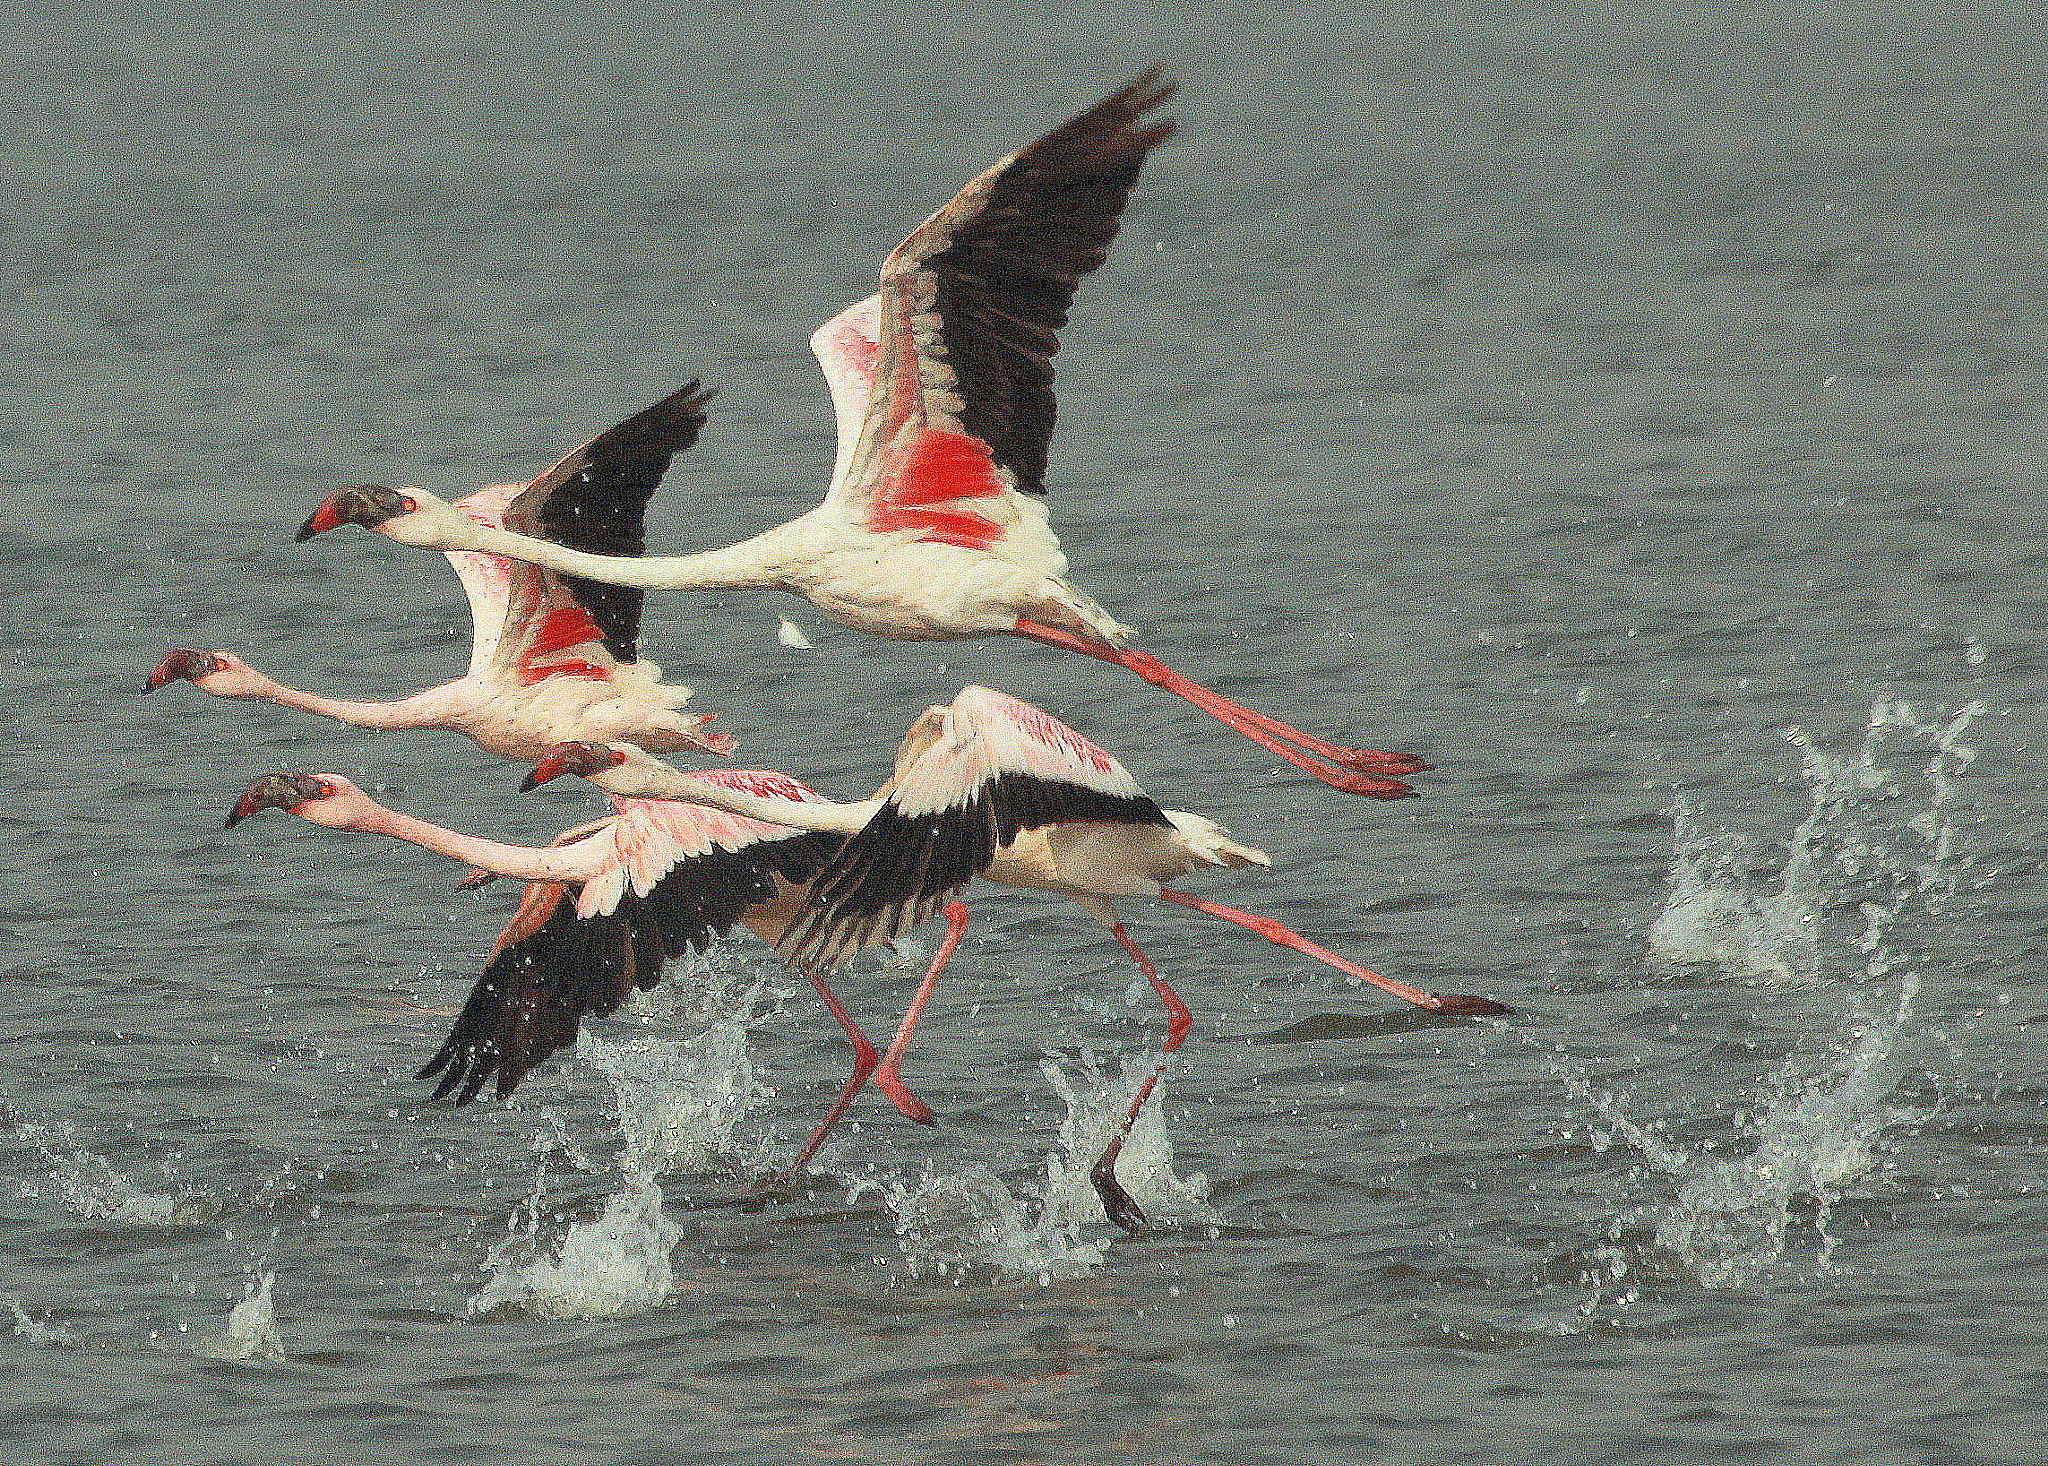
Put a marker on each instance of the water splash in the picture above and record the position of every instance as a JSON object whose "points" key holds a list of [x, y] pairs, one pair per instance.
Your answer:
{"points": [[1096, 1105], [91, 1187], [970, 1226], [1853, 849], [252, 1332], [680, 1102], [39, 1331], [1734, 1219], [615, 1264]]}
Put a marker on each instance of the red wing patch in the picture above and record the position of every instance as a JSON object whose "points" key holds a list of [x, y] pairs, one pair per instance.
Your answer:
{"points": [[940, 467], [562, 628], [572, 668]]}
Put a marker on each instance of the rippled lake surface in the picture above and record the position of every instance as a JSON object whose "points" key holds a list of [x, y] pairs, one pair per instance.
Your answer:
{"points": [[1637, 413]]}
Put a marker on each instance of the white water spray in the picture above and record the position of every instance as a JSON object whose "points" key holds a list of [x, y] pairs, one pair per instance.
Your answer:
{"points": [[1853, 849], [971, 1226], [680, 1102]]}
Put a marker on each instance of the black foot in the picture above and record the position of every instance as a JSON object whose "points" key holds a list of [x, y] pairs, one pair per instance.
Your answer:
{"points": [[1116, 1202]]}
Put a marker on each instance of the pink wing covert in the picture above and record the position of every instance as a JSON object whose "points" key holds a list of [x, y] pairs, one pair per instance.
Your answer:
{"points": [[527, 625]]}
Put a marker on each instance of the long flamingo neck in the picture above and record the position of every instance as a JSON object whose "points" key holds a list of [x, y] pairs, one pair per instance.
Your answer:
{"points": [[517, 862], [795, 814], [421, 710], [744, 564]]}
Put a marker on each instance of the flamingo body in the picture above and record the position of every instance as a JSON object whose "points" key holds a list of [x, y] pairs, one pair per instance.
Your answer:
{"points": [[552, 657], [994, 787], [605, 908], [934, 523]]}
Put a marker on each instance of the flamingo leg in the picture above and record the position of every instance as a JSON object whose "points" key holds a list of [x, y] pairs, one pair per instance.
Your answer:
{"points": [[1365, 771], [865, 1057], [886, 1077], [1458, 1004], [1116, 1202]]}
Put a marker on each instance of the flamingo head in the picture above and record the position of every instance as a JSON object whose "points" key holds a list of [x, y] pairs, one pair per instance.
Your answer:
{"points": [[578, 757], [370, 505], [279, 791], [182, 665]]}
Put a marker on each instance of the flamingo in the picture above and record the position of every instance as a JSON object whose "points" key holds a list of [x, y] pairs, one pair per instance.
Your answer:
{"points": [[553, 656], [994, 787], [654, 880], [934, 525]]}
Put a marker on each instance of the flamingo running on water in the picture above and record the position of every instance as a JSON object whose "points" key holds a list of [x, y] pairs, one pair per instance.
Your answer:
{"points": [[994, 787], [552, 656], [605, 906], [934, 525]]}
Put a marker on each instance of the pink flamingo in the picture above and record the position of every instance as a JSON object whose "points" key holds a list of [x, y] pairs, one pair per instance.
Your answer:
{"points": [[994, 787], [934, 525], [552, 656], [605, 906]]}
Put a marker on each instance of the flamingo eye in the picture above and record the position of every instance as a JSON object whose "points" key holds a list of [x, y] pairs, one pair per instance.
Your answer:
{"points": [[410, 504]]}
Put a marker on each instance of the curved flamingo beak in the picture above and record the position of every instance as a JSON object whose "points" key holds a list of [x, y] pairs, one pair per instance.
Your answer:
{"points": [[577, 757], [366, 504], [550, 766], [275, 791], [182, 665]]}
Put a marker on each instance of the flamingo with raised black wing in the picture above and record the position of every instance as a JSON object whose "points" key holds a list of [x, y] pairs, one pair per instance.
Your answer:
{"points": [[994, 787], [605, 906], [552, 656], [934, 525]]}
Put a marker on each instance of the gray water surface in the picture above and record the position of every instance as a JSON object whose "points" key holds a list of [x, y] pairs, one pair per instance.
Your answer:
{"points": [[1637, 412]]}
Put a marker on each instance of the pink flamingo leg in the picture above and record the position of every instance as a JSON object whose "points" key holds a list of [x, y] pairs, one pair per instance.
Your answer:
{"points": [[1364, 771], [886, 1077], [1116, 1202], [1459, 1004], [865, 1057]]}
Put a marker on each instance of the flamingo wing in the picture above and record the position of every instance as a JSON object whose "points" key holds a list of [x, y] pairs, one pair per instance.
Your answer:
{"points": [[532, 623], [595, 499], [999, 767], [961, 404], [845, 347], [680, 875]]}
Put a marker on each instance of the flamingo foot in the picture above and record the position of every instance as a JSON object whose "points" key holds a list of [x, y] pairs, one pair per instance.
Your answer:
{"points": [[1350, 781], [1372, 761], [1116, 1202]]}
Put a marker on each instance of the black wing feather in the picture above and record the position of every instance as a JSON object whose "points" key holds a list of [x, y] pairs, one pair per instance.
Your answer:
{"points": [[898, 869], [596, 500], [532, 997], [1001, 268]]}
